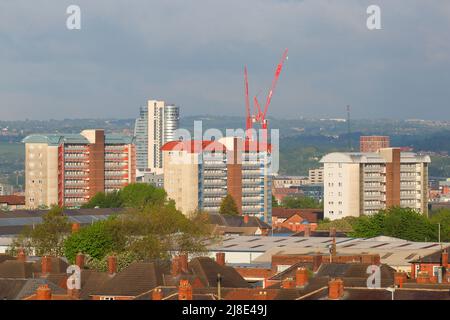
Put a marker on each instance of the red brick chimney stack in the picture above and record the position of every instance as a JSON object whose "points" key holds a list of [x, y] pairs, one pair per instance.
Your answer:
{"points": [[157, 294], [185, 290], [317, 261], [112, 265], [399, 279], [332, 232], [307, 230], [220, 258], [184, 262], [43, 292], [444, 259], [21, 255], [301, 277], [335, 289], [79, 260], [46, 265], [288, 283], [75, 227], [175, 266]]}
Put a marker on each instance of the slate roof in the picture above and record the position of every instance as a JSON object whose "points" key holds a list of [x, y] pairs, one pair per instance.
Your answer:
{"points": [[17, 289], [58, 265], [207, 269], [16, 269], [136, 279], [383, 294], [434, 257], [237, 221]]}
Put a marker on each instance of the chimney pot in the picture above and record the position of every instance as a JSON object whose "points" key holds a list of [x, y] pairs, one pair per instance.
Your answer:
{"points": [[335, 289], [444, 262], [75, 227], [175, 266], [317, 261], [79, 260], [21, 255], [43, 292], [332, 232], [185, 290], [307, 230], [157, 294], [46, 265], [220, 258], [184, 262], [301, 277], [112, 265], [399, 279]]}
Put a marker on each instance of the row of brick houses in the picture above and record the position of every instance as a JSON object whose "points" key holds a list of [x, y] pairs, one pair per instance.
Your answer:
{"points": [[290, 277]]}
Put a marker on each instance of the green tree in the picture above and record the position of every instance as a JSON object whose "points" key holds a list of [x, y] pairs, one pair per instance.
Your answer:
{"points": [[274, 202], [105, 200], [294, 202], [139, 195], [442, 217], [152, 232], [96, 241], [135, 195], [404, 223], [46, 238], [228, 206]]}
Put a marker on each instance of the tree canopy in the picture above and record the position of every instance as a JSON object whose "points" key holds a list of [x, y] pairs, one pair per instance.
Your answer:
{"points": [[404, 223], [228, 206], [135, 195], [151, 232], [46, 238], [295, 202]]}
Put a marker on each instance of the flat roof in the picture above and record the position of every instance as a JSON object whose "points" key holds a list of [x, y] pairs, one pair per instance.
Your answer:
{"points": [[393, 251]]}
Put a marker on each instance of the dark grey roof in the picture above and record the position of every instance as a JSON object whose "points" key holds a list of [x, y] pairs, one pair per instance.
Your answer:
{"points": [[136, 279], [435, 257], [13, 222], [207, 269], [237, 221], [17, 289]]}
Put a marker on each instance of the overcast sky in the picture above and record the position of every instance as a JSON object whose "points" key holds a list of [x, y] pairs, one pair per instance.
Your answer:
{"points": [[192, 53]]}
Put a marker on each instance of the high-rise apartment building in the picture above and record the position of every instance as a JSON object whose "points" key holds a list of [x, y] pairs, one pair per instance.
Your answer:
{"points": [[364, 183], [373, 143], [68, 170], [316, 176], [199, 174], [155, 126], [141, 139]]}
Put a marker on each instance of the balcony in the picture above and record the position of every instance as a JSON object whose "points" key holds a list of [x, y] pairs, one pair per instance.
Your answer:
{"points": [[373, 178], [213, 174], [251, 191]]}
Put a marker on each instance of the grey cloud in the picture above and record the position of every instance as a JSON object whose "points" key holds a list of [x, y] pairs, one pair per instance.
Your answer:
{"points": [[192, 53]]}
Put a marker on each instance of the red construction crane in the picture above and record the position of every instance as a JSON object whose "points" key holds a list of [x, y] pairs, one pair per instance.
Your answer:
{"points": [[259, 115]]}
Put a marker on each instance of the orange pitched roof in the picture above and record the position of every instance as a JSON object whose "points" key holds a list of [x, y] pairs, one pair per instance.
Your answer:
{"points": [[194, 146]]}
